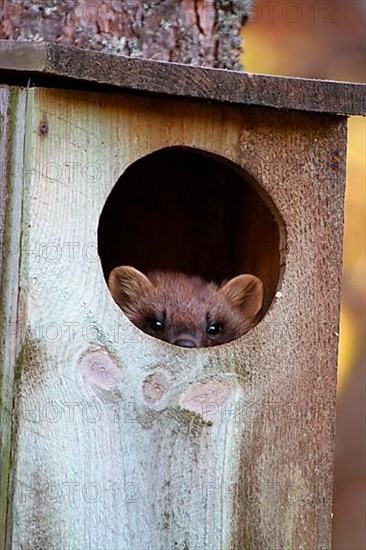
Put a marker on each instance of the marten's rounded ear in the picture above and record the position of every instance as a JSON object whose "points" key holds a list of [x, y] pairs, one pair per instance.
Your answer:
{"points": [[246, 293], [126, 285]]}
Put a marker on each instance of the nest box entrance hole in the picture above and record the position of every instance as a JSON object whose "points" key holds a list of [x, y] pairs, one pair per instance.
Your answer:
{"points": [[185, 210]]}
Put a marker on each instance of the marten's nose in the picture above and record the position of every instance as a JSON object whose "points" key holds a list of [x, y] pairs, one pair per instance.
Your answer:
{"points": [[185, 343]]}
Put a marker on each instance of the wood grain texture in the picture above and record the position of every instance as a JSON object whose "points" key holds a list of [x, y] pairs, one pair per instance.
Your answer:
{"points": [[124, 441], [12, 113], [61, 66]]}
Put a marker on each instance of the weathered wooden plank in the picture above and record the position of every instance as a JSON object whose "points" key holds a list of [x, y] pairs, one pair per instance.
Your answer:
{"points": [[12, 110], [124, 441], [62, 66]]}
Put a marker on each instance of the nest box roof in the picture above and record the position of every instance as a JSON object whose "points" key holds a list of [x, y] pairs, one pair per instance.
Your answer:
{"points": [[43, 64]]}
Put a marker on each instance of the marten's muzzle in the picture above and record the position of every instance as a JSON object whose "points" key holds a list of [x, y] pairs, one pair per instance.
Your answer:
{"points": [[186, 341]]}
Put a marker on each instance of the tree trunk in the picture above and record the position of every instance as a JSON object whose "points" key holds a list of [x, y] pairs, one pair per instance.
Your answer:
{"points": [[195, 32]]}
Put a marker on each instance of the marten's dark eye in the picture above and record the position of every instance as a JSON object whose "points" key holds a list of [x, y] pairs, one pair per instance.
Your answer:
{"points": [[214, 329], [155, 325]]}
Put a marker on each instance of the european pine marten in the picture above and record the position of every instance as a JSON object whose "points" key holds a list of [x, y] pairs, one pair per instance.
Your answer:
{"points": [[187, 310]]}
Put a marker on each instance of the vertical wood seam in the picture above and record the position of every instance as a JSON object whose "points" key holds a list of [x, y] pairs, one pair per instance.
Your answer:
{"points": [[13, 133]]}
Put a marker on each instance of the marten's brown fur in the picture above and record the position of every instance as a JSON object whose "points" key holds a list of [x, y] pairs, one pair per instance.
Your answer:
{"points": [[187, 310]]}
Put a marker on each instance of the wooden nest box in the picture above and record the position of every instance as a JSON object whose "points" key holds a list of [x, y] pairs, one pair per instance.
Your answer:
{"points": [[112, 438]]}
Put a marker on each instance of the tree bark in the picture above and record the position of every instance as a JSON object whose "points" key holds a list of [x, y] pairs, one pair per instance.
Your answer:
{"points": [[195, 32]]}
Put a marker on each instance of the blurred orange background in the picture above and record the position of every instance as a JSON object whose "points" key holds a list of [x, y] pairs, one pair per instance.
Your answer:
{"points": [[324, 39]]}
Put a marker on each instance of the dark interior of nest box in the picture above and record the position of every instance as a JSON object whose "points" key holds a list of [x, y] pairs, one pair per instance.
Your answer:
{"points": [[185, 210]]}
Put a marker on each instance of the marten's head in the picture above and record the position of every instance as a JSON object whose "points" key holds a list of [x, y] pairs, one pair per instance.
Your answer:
{"points": [[185, 310]]}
